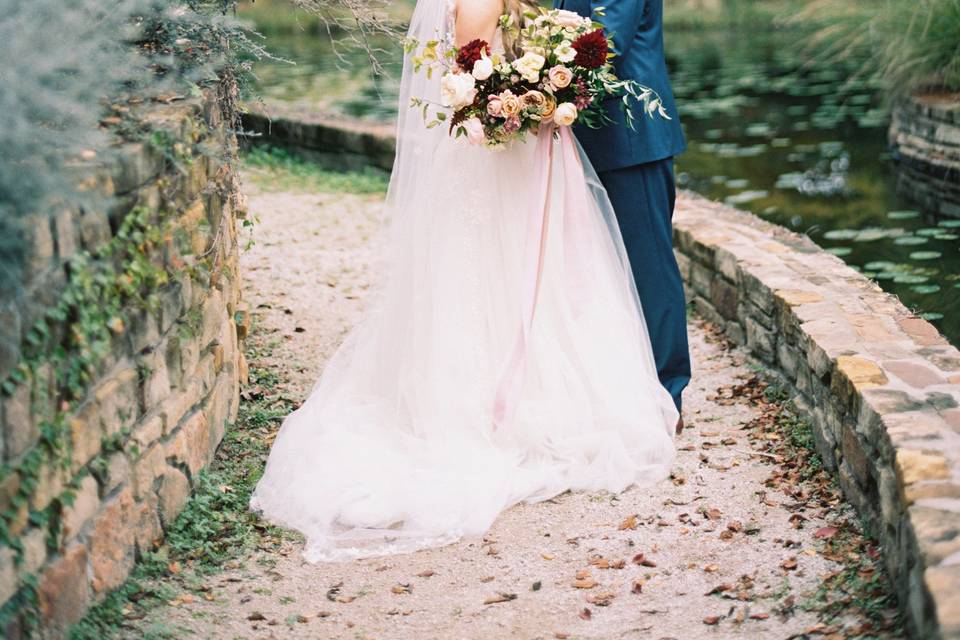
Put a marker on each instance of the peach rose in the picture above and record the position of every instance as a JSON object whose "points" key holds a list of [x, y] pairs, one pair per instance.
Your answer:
{"points": [[560, 77], [533, 99], [510, 104]]}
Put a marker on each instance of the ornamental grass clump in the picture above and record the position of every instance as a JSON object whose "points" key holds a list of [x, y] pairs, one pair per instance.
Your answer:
{"points": [[909, 46]]}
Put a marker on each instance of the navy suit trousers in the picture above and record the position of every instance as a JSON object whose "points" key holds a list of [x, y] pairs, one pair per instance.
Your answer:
{"points": [[643, 197]]}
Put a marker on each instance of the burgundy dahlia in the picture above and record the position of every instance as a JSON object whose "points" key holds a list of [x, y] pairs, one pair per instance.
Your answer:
{"points": [[470, 53], [591, 50]]}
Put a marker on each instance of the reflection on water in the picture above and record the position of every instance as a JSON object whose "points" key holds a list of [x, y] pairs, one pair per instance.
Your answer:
{"points": [[800, 147]]}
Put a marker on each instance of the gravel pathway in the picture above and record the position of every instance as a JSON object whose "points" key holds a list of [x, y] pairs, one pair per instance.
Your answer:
{"points": [[643, 564]]}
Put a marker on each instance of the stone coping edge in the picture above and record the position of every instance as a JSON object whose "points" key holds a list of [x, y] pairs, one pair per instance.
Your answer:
{"points": [[881, 384]]}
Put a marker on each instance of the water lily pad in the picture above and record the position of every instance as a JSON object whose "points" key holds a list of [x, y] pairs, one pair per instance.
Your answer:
{"points": [[841, 234], [879, 265], [738, 183], [903, 215], [910, 278], [759, 129], [910, 240], [925, 255], [925, 289], [745, 197], [931, 316], [928, 232], [840, 251], [886, 275], [949, 224], [872, 234], [946, 236]]}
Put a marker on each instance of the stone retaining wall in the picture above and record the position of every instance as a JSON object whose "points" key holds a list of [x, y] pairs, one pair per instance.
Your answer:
{"points": [[92, 476], [925, 138], [882, 387], [338, 143]]}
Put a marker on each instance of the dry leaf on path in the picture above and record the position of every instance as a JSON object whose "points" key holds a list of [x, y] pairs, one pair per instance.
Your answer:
{"points": [[601, 599], [500, 597], [628, 523], [643, 561], [584, 583]]}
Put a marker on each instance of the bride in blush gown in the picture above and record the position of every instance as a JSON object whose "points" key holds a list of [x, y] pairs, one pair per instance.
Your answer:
{"points": [[494, 364]]}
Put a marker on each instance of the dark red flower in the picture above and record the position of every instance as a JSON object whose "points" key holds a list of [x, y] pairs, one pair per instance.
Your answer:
{"points": [[469, 53], [591, 50]]}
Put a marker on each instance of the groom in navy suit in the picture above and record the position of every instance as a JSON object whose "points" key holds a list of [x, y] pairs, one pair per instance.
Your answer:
{"points": [[636, 167]]}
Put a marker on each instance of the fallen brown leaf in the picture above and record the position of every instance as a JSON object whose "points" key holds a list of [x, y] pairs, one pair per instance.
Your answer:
{"points": [[601, 599], [630, 522], [584, 583], [726, 586], [500, 597]]}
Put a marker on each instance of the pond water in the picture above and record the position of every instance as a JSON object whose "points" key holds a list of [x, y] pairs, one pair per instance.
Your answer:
{"points": [[798, 145]]}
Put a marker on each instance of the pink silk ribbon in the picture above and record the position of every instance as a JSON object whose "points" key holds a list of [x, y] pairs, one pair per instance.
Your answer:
{"points": [[576, 206]]}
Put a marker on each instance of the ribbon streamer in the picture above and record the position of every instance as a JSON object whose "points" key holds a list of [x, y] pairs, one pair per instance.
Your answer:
{"points": [[576, 205]]}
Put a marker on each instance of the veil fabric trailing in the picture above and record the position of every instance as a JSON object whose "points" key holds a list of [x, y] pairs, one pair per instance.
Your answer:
{"points": [[399, 446]]}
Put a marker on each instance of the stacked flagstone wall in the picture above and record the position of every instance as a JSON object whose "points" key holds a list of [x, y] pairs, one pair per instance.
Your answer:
{"points": [[925, 138], [881, 384], [119, 364]]}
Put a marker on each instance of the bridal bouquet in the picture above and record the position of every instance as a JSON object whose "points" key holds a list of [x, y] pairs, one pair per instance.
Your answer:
{"points": [[563, 75]]}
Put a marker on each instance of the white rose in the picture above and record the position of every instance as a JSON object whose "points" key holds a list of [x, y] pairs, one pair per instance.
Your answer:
{"points": [[565, 52], [482, 68], [566, 114], [529, 65], [474, 130], [568, 18], [457, 90]]}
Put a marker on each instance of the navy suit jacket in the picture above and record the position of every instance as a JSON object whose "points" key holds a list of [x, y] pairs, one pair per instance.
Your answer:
{"points": [[637, 30]]}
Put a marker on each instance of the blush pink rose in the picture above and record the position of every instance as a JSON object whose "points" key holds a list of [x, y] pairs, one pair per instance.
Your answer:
{"points": [[560, 77]]}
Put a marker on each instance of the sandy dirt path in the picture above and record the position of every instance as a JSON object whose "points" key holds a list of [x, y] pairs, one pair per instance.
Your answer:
{"points": [[665, 549]]}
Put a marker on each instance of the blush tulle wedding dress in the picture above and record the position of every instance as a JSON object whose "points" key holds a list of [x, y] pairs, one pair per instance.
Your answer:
{"points": [[414, 436]]}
